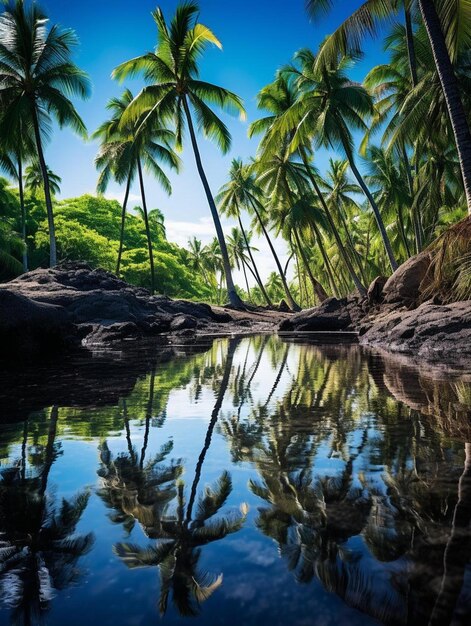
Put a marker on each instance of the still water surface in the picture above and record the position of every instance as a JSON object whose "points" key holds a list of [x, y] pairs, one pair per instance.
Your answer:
{"points": [[245, 481]]}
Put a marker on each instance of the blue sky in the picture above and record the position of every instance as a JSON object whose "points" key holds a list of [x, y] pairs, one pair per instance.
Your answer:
{"points": [[258, 36]]}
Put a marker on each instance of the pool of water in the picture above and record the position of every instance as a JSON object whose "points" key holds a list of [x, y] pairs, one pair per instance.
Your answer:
{"points": [[242, 481]]}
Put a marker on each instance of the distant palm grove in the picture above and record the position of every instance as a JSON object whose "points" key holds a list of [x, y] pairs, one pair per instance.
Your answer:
{"points": [[398, 180]]}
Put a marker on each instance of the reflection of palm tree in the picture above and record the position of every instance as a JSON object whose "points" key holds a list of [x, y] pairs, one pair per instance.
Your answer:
{"points": [[182, 533], [178, 550], [39, 549], [136, 491]]}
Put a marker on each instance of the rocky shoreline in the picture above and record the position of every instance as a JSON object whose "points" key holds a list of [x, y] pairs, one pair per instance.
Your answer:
{"points": [[75, 306], [396, 316]]}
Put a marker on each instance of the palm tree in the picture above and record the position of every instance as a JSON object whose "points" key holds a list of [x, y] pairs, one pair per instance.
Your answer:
{"points": [[448, 29], [173, 71], [232, 197], [329, 107], [238, 244], [124, 150], [279, 98], [34, 179], [36, 79]]}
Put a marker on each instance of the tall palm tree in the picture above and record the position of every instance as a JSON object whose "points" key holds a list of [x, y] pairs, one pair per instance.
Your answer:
{"points": [[176, 89], [279, 98], [448, 26], [125, 150], [232, 198], [36, 79], [329, 108], [34, 179], [237, 244]]}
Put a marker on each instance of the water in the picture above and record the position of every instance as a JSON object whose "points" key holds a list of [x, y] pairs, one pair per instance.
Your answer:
{"points": [[245, 481]]}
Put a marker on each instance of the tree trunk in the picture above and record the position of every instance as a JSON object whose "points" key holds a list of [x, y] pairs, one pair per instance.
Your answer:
{"points": [[234, 298], [256, 274], [377, 214], [23, 213], [318, 288], [449, 83], [410, 46], [292, 304], [318, 238], [47, 189], [123, 218], [338, 241], [146, 222], [245, 277]]}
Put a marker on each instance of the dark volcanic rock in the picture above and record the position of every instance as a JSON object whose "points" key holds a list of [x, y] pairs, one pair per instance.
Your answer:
{"points": [[103, 307], [431, 331], [407, 282], [375, 290], [27, 326], [331, 315]]}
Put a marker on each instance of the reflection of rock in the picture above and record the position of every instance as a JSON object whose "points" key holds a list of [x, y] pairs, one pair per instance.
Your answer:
{"points": [[83, 379], [443, 395]]}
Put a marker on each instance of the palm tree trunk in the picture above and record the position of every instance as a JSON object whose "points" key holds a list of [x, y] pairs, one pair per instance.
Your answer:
{"points": [[291, 303], [318, 238], [150, 405], [338, 241], [123, 218], [245, 277], [410, 46], [234, 298], [318, 288], [49, 453], [23, 213], [146, 222], [47, 189], [377, 214], [449, 83], [257, 275]]}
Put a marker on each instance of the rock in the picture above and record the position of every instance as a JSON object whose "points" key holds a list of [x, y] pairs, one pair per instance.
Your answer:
{"points": [[109, 309], [408, 281], [375, 290], [283, 306], [430, 332], [331, 315], [27, 326], [183, 322]]}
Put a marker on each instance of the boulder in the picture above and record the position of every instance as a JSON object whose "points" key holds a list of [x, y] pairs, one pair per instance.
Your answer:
{"points": [[431, 331], [408, 281], [331, 315], [27, 326], [375, 290]]}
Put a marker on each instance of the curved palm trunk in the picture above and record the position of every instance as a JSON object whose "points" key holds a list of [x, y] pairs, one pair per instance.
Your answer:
{"points": [[318, 238], [318, 288], [357, 282], [47, 189], [150, 405], [234, 298], [49, 454], [245, 278], [410, 46], [146, 222], [291, 303], [23, 213], [377, 214], [449, 83], [255, 270], [123, 219]]}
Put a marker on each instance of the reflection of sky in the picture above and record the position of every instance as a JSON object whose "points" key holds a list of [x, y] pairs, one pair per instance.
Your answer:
{"points": [[257, 587]]}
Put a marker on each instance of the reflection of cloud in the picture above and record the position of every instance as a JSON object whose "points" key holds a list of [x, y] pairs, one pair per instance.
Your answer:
{"points": [[255, 552]]}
